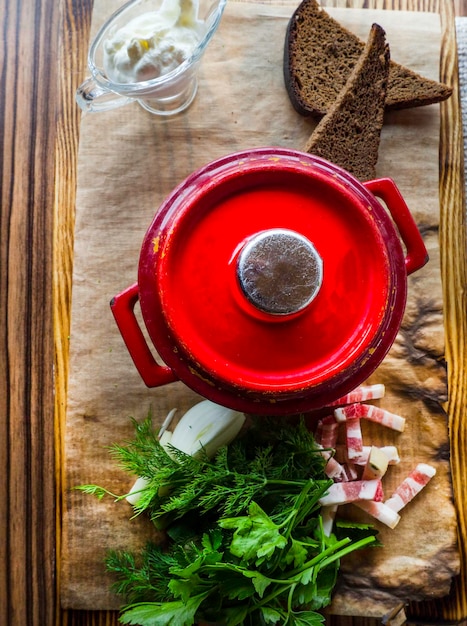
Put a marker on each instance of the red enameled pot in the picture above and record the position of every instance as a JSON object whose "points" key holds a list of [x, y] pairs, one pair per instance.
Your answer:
{"points": [[271, 281]]}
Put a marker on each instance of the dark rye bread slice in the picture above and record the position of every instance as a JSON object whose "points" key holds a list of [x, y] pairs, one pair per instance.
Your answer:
{"points": [[349, 134], [319, 54]]}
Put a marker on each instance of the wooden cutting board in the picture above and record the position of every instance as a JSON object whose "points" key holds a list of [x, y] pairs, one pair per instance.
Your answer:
{"points": [[128, 162]]}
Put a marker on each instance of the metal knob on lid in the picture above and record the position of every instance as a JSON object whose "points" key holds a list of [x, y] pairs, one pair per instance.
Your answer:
{"points": [[280, 271]]}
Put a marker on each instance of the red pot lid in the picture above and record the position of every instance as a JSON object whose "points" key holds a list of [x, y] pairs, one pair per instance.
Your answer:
{"points": [[271, 276]]}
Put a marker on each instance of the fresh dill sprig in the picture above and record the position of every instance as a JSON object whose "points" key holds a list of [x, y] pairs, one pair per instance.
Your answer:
{"points": [[244, 537]]}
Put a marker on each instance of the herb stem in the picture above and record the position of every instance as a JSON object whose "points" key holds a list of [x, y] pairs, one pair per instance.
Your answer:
{"points": [[267, 599], [347, 550], [322, 556]]}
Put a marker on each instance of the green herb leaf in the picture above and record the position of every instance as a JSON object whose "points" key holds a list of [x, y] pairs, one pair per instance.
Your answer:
{"points": [[244, 538], [163, 613], [270, 616], [95, 490], [305, 618], [260, 582], [297, 554], [255, 536]]}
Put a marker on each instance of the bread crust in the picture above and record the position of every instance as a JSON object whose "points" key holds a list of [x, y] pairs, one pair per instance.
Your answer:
{"points": [[349, 134], [319, 54]]}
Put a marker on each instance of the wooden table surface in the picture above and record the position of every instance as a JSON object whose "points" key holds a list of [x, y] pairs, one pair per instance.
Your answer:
{"points": [[42, 61]]}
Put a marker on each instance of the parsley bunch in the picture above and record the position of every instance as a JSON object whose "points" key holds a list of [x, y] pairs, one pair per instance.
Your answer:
{"points": [[245, 542]]}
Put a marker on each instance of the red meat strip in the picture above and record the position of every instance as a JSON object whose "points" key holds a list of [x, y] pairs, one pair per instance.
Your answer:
{"points": [[344, 492], [360, 394], [327, 431], [411, 486], [380, 511], [353, 438], [333, 468], [370, 412]]}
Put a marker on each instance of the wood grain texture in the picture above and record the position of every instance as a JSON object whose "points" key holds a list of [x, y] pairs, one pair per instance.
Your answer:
{"points": [[453, 268], [35, 116], [27, 122], [74, 29]]}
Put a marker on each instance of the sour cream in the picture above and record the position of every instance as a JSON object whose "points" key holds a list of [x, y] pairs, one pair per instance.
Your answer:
{"points": [[154, 43]]}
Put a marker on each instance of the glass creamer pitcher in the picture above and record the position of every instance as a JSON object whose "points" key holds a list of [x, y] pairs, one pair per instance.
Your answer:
{"points": [[150, 51]]}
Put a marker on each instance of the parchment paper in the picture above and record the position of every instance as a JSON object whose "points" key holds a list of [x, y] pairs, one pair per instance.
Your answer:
{"points": [[129, 161]]}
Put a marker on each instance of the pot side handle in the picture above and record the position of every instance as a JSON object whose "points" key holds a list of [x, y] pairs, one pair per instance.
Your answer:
{"points": [[123, 309], [416, 253]]}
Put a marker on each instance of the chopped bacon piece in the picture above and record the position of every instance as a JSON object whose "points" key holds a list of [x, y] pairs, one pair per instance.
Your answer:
{"points": [[360, 394], [349, 472], [390, 451], [353, 438], [380, 511], [333, 468], [370, 412], [356, 469], [327, 431], [328, 514], [411, 486], [344, 492]]}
